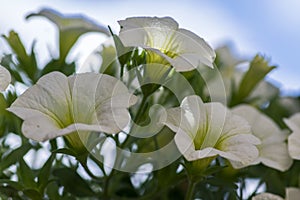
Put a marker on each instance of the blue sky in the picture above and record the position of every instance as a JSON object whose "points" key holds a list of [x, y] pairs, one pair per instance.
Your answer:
{"points": [[269, 27]]}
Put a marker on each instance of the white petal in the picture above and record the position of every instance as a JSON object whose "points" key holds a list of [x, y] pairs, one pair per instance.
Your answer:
{"points": [[276, 156], [50, 95], [292, 193], [102, 99], [267, 196], [185, 145], [262, 126], [190, 117], [239, 149], [193, 49], [194, 113], [5, 78], [293, 122], [294, 139], [206, 130], [181, 48], [58, 105], [294, 144], [273, 149], [147, 31]]}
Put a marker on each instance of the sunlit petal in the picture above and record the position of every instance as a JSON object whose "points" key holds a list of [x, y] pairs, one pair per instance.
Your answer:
{"points": [[58, 105], [183, 49], [273, 150]]}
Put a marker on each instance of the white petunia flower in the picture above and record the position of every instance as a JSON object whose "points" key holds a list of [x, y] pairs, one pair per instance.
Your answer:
{"points": [[290, 194], [5, 78], [267, 196], [294, 139], [206, 130], [181, 48], [58, 105], [273, 151]]}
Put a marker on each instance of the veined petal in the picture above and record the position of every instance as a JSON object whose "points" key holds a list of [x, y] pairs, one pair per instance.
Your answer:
{"points": [[193, 49], [50, 96], [5, 78], [294, 139], [183, 49], [58, 105], [273, 150], [267, 196], [292, 193], [209, 129], [240, 149], [147, 31], [293, 122]]}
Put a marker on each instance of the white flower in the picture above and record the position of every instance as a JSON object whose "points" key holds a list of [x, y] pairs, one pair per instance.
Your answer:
{"points": [[208, 129], [267, 196], [58, 105], [183, 49], [5, 78], [290, 194], [273, 151], [294, 139]]}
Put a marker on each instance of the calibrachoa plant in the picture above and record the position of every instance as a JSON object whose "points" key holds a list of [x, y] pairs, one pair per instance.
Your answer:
{"points": [[157, 114]]}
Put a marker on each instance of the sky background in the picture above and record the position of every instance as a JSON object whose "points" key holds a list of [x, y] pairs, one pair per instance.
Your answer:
{"points": [[269, 27]]}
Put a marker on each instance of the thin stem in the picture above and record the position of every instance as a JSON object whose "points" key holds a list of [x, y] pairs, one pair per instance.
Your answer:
{"points": [[141, 109], [88, 171], [107, 183], [136, 118], [191, 189]]}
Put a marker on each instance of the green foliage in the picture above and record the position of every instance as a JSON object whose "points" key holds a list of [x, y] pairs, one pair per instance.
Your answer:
{"points": [[27, 62], [70, 29], [257, 71]]}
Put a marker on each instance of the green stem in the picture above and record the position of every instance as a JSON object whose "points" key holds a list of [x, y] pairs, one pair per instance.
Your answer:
{"points": [[107, 183], [141, 109], [191, 189]]}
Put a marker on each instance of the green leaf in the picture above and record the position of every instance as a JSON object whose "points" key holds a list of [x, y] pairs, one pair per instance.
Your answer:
{"points": [[14, 156], [71, 27], [26, 175], [52, 191], [27, 62], [33, 194], [43, 177], [123, 53], [57, 65], [109, 64], [257, 71], [65, 151], [12, 184], [73, 183]]}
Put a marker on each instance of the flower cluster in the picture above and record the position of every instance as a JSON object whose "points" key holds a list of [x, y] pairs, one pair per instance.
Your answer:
{"points": [[112, 115]]}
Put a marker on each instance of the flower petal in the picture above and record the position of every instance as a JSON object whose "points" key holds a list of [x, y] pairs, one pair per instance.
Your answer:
{"points": [[59, 105], [183, 49], [294, 139], [147, 31], [206, 130], [273, 150], [5, 78], [267, 196], [50, 96], [292, 193]]}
